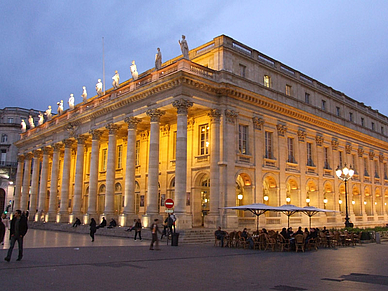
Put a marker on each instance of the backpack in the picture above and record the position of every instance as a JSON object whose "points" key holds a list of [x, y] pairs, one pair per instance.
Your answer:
{"points": [[173, 217]]}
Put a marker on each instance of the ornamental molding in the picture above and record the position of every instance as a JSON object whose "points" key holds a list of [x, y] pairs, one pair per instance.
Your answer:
{"points": [[215, 115], [258, 122], [282, 129], [165, 129], [68, 143], [334, 143], [230, 116], [96, 134], [46, 150], [28, 156], [182, 105], [319, 140], [348, 148], [302, 135], [112, 128], [132, 122], [371, 154], [20, 158], [144, 134], [190, 123], [360, 152], [155, 114], [381, 157], [37, 154]]}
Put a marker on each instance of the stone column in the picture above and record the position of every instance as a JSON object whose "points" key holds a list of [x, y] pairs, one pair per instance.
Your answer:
{"points": [[26, 181], [79, 173], [93, 178], [18, 183], [153, 168], [64, 207], [183, 220], [111, 171], [129, 189], [43, 184], [212, 220], [53, 203], [34, 185]]}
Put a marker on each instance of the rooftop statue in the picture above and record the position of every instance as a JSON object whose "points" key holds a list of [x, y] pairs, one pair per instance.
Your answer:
{"points": [[184, 47], [41, 119], [134, 72], [60, 107], [99, 88], [48, 113], [71, 102], [84, 94], [31, 122], [158, 60], [24, 126], [116, 80]]}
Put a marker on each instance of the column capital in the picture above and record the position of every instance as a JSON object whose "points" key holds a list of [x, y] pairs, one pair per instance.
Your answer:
{"points": [[282, 128], [68, 143], [348, 148], [319, 139], [132, 122], [28, 156], [96, 134], [182, 105], [113, 128], [360, 152], [214, 115], [81, 139], [257, 122], [20, 158], [334, 143], [46, 150], [231, 115], [155, 114], [302, 134], [37, 154], [57, 146]]}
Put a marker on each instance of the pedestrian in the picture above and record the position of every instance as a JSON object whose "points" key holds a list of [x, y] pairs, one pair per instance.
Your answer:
{"points": [[154, 231], [132, 226], [93, 228], [138, 228], [18, 230], [2, 231]]}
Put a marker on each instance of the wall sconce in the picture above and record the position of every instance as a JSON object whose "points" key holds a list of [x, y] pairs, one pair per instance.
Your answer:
{"points": [[265, 197], [288, 199], [307, 200], [353, 202], [325, 200], [364, 202], [385, 203], [375, 203], [239, 196], [206, 200], [340, 202]]}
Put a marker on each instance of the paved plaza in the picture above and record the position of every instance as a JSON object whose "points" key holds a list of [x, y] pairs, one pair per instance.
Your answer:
{"points": [[67, 261]]}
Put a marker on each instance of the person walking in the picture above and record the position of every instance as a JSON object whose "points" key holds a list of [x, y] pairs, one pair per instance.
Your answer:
{"points": [[18, 230], [138, 227], [93, 228], [154, 231], [2, 231]]}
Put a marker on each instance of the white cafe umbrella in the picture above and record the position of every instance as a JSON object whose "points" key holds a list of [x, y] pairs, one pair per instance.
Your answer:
{"points": [[289, 209], [311, 210]]}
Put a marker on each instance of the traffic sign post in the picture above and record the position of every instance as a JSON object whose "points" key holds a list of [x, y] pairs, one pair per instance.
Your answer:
{"points": [[169, 203]]}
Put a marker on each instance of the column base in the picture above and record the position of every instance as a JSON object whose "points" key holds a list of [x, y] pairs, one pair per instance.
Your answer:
{"points": [[88, 216], [212, 221], [63, 217], [183, 221], [230, 222], [40, 216], [127, 219], [51, 217], [148, 219]]}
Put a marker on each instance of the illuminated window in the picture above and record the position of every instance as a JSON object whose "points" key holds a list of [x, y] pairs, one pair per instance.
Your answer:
{"points": [[290, 150], [267, 81], [268, 145], [288, 90], [204, 139], [310, 154], [174, 145], [119, 156], [243, 139], [137, 153], [307, 98], [103, 160]]}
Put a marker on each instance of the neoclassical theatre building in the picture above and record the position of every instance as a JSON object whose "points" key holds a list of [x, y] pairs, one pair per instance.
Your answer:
{"points": [[227, 126]]}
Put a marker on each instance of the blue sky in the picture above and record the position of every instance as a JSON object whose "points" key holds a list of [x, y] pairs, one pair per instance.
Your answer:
{"points": [[49, 49]]}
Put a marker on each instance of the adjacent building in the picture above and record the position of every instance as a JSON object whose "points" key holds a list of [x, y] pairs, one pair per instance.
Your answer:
{"points": [[230, 126]]}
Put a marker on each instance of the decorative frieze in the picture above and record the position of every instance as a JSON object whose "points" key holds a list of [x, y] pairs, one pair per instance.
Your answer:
{"points": [[258, 122], [282, 129], [190, 123], [348, 148], [302, 135], [360, 152], [319, 140], [182, 105], [155, 114], [144, 134], [334, 144], [230, 116]]}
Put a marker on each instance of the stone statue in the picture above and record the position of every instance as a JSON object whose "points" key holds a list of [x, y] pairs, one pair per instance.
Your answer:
{"points": [[31, 122], [60, 107], [84, 94], [116, 80], [48, 113], [134, 72], [41, 120], [158, 60], [99, 88], [184, 47], [71, 102], [24, 126]]}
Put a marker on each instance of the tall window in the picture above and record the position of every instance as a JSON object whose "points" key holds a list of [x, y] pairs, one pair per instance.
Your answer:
{"points": [[310, 154], [288, 90], [137, 153], [174, 145], [204, 139], [362, 121], [326, 158], [290, 150], [119, 156], [366, 167], [338, 111], [373, 126], [242, 70], [385, 171], [351, 116], [340, 160], [354, 163], [103, 160], [3, 157], [382, 130], [267, 81], [268, 145], [307, 98], [4, 138], [10, 120], [243, 139], [377, 169], [323, 105]]}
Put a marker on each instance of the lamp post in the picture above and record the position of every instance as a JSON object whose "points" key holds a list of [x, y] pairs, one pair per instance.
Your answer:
{"points": [[345, 174]]}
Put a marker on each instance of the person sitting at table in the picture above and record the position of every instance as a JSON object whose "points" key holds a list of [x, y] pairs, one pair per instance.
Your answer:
{"points": [[290, 232], [313, 233], [244, 234], [299, 231], [220, 234], [264, 231], [285, 234], [326, 231]]}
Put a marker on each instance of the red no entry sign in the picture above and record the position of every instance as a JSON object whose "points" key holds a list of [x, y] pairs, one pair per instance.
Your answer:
{"points": [[169, 203]]}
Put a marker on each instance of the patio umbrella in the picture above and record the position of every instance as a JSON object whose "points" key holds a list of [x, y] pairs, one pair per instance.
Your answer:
{"points": [[311, 210], [289, 209], [256, 208]]}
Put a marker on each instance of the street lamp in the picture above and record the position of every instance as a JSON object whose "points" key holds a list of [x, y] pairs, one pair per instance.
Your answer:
{"points": [[345, 174]]}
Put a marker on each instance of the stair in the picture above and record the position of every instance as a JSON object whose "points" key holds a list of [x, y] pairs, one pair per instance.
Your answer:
{"points": [[197, 236]]}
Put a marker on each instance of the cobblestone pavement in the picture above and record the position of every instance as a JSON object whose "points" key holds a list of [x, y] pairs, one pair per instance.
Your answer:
{"points": [[66, 261]]}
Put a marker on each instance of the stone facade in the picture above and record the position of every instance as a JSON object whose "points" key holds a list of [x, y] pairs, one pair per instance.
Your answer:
{"points": [[228, 127]]}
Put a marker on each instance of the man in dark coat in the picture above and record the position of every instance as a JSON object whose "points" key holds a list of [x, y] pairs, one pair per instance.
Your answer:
{"points": [[18, 230]]}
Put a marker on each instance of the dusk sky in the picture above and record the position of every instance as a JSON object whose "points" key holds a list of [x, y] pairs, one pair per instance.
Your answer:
{"points": [[49, 49]]}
